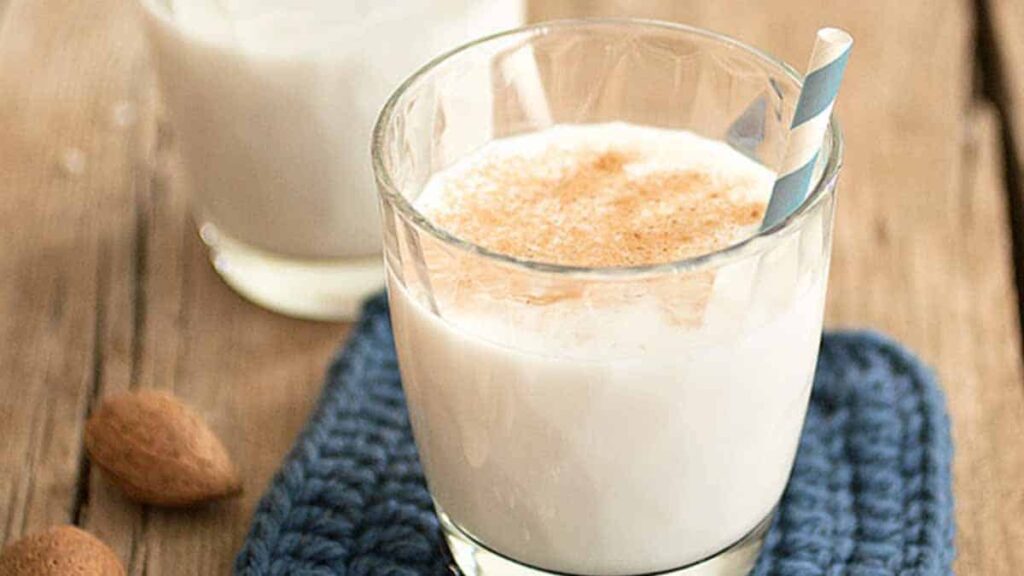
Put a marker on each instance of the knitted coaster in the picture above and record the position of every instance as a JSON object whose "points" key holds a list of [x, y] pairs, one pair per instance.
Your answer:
{"points": [[870, 492]]}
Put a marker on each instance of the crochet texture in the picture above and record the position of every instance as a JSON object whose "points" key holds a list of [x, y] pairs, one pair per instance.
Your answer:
{"points": [[870, 493]]}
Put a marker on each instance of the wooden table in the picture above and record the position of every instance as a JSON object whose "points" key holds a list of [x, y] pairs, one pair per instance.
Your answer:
{"points": [[104, 285]]}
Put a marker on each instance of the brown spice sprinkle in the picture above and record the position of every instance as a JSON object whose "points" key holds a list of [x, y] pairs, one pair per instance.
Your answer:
{"points": [[585, 209]]}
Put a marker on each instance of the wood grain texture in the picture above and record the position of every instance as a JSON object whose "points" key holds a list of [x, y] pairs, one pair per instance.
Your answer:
{"points": [[1001, 54], [252, 374], [1004, 45], [104, 285], [64, 179], [978, 356]]}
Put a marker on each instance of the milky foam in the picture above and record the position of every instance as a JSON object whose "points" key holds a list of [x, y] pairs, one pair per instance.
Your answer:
{"points": [[601, 195]]}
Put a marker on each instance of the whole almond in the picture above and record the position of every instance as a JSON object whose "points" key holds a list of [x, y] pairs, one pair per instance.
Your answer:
{"points": [[60, 551], [159, 451]]}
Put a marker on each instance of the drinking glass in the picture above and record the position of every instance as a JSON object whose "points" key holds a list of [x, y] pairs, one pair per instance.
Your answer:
{"points": [[608, 421], [272, 104]]}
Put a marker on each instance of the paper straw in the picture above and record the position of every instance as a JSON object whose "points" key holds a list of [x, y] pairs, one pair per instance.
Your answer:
{"points": [[813, 111]]}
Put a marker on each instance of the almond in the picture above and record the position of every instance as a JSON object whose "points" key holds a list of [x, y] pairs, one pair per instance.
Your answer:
{"points": [[159, 451], [60, 551]]}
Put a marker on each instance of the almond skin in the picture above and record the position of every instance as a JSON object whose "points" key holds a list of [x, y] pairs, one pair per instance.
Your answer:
{"points": [[159, 451], [60, 551]]}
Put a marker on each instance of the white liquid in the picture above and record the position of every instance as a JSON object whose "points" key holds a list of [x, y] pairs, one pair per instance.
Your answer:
{"points": [[603, 436], [274, 102]]}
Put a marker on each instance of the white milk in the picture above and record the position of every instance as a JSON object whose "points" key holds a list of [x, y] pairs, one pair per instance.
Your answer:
{"points": [[273, 102], [604, 436]]}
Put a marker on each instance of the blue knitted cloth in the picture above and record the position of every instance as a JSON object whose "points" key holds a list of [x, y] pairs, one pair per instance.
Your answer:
{"points": [[870, 493]]}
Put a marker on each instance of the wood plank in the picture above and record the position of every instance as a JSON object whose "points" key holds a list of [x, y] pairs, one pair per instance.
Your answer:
{"points": [[1002, 45], [254, 375], [63, 180], [922, 245], [3, 11], [987, 397]]}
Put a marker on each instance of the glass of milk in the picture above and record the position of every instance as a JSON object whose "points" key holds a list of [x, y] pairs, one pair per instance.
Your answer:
{"points": [[613, 420], [272, 102]]}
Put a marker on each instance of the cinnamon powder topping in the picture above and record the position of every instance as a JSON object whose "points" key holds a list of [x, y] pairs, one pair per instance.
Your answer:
{"points": [[593, 208]]}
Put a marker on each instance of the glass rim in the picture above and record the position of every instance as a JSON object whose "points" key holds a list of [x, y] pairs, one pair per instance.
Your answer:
{"points": [[753, 244]]}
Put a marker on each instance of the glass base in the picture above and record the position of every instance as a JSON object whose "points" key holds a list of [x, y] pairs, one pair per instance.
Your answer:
{"points": [[470, 558], [310, 289]]}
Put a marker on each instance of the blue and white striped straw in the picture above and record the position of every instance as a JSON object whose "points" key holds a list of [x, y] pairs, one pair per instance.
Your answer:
{"points": [[810, 121]]}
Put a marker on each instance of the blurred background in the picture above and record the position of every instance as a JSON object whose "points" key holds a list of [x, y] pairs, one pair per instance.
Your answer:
{"points": [[105, 286]]}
